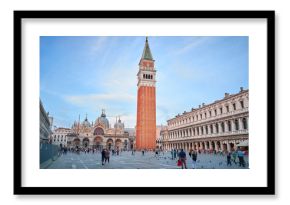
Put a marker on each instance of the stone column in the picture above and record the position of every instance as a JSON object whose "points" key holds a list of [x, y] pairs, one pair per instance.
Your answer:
{"points": [[214, 128], [228, 146], [215, 145], [222, 145], [233, 125], [226, 126], [205, 144], [220, 127], [241, 127], [210, 145]]}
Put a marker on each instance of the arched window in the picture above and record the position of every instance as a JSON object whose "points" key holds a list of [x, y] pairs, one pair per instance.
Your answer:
{"points": [[227, 107], [236, 125], [98, 131], [234, 106], [217, 128], [242, 104], [229, 126], [245, 126]]}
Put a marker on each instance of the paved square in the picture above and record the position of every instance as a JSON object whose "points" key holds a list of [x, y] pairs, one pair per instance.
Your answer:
{"points": [[149, 161]]}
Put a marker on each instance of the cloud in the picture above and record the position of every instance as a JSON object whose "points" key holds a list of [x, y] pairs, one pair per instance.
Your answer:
{"points": [[195, 42], [84, 100]]}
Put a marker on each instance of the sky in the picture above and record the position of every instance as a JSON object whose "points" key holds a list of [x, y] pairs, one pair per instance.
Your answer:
{"points": [[81, 75]]}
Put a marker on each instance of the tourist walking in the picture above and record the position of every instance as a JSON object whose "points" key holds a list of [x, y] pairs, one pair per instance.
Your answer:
{"points": [[229, 156], [234, 156], [241, 157], [107, 156], [103, 156], [193, 156], [171, 154], [182, 158], [174, 153]]}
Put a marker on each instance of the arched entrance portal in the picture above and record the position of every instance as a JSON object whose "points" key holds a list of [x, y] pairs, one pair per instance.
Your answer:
{"points": [[118, 144], [77, 142], [86, 142], [110, 143], [98, 143]]}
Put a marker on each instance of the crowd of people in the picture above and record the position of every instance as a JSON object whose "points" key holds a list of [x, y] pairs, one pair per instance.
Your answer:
{"points": [[193, 155], [235, 156]]}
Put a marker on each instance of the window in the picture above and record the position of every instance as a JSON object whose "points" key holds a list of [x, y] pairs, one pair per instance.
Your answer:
{"points": [[237, 124], [234, 106], [211, 129], [205, 115], [229, 126], [227, 107], [200, 116], [206, 129], [215, 112], [210, 113], [221, 110], [245, 126], [242, 104]]}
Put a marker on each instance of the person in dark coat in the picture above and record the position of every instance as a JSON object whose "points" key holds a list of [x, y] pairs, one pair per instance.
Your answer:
{"points": [[107, 156], [194, 158], [103, 156], [229, 156], [182, 158]]}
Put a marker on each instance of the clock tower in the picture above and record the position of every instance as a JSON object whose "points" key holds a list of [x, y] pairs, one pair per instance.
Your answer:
{"points": [[146, 101]]}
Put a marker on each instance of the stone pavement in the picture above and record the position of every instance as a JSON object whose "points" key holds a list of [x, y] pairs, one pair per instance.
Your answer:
{"points": [[128, 161]]}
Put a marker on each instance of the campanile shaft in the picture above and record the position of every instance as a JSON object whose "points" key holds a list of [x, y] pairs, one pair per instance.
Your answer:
{"points": [[146, 101]]}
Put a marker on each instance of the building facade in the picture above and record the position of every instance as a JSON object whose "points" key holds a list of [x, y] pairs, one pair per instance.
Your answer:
{"points": [[146, 101], [60, 136], [218, 126], [97, 135], [45, 126]]}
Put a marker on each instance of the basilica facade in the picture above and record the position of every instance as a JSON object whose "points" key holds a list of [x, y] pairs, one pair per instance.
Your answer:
{"points": [[219, 126], [96, 135]]}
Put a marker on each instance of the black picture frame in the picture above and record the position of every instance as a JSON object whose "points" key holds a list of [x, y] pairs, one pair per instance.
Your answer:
{"points": [[268, 190]]}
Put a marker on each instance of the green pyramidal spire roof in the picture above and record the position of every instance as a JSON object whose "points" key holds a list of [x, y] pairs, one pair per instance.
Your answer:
{"points": [[146, 52]]}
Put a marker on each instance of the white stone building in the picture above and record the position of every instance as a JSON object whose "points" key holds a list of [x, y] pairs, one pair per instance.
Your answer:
{"points": [[60, 136], [218, 126]]}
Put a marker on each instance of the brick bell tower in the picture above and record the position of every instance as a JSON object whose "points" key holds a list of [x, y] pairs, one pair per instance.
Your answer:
{"points": [[146, 101]]}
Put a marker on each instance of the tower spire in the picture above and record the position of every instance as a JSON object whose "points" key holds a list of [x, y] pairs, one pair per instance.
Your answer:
{"points": [[147, 55]]}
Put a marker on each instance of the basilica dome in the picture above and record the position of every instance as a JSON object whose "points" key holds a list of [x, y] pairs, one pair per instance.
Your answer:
{"points": [[86, 123], [119, 124], [103, 120]]}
